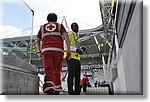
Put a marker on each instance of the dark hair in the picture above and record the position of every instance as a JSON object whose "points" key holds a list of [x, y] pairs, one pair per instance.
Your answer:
{"points": [[73, 25], [52, 17]]}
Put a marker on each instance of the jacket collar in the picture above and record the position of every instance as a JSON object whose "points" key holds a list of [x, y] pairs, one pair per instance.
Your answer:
{"points": [[74, 32]]}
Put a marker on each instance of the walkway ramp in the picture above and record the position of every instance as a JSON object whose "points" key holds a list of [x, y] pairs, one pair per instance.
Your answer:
{"points": [[97, 91]]}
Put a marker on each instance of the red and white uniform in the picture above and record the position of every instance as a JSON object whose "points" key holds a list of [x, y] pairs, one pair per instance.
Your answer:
{"points": [[85, 80], [52, 55]]}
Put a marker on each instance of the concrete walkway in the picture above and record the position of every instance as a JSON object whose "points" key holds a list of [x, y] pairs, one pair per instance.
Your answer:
{"points": [[90, 91]]}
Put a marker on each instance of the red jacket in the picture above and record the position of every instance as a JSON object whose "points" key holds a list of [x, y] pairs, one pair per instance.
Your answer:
{"points": [[85, 80], [81, 81]]}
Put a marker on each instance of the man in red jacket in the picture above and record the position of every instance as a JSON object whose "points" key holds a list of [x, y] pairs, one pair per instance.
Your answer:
{"points": [[51, 34], [85, 82]]}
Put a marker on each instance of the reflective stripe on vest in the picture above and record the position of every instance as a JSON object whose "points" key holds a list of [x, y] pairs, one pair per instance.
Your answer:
{"points": [[52, 33], [74, 38], [52, 49], [72, 48]]}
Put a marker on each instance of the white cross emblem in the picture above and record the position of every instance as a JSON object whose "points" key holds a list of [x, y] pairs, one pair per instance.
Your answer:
{"points": [[50, 27]]}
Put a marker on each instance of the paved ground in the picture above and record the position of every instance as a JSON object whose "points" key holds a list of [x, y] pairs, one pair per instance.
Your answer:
{"points": [[90, 91], [97, 91]]}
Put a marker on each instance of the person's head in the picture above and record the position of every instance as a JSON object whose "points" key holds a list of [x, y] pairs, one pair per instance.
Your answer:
{"points": [[52, 17], [75, 27]]}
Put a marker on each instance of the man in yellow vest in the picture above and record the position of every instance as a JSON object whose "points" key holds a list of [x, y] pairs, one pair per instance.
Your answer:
{"points": [[113, 4], [73, 63]]}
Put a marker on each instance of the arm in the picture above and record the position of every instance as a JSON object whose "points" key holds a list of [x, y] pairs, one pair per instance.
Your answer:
{"points": [[38, 44], [67, 40], [39, 40]]}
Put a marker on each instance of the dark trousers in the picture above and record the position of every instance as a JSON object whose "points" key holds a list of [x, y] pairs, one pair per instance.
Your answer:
{"points": [[84, 87], [74, 69]]}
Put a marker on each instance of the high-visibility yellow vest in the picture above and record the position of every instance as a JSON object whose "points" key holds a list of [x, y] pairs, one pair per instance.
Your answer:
{"points": [[73, 46], [112, 3]]}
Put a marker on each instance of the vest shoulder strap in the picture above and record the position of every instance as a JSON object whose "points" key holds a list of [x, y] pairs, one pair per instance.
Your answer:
{"points": [[59, 27]]}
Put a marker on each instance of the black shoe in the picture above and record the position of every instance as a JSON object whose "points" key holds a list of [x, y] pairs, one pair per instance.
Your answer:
{"points": [[50, 93], [56, 93]]}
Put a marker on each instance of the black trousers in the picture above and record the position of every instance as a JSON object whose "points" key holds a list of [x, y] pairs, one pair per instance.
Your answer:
{"points": [[74, 69], [84, 87]]}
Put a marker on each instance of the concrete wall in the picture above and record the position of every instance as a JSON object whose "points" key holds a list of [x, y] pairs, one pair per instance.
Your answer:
{"points": [[129, 65], [17, 77]]}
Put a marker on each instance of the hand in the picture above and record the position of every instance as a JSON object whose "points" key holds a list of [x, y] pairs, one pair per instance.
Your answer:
{"points": [[79, 51], [84, 49], [68, 54], [39, 54]]}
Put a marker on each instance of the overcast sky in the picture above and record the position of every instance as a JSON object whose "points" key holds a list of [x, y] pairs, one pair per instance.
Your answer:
{"points": [[17, 18]]}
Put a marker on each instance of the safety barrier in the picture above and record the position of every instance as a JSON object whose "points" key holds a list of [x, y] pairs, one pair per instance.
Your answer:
{"points": [[18, 77]]}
